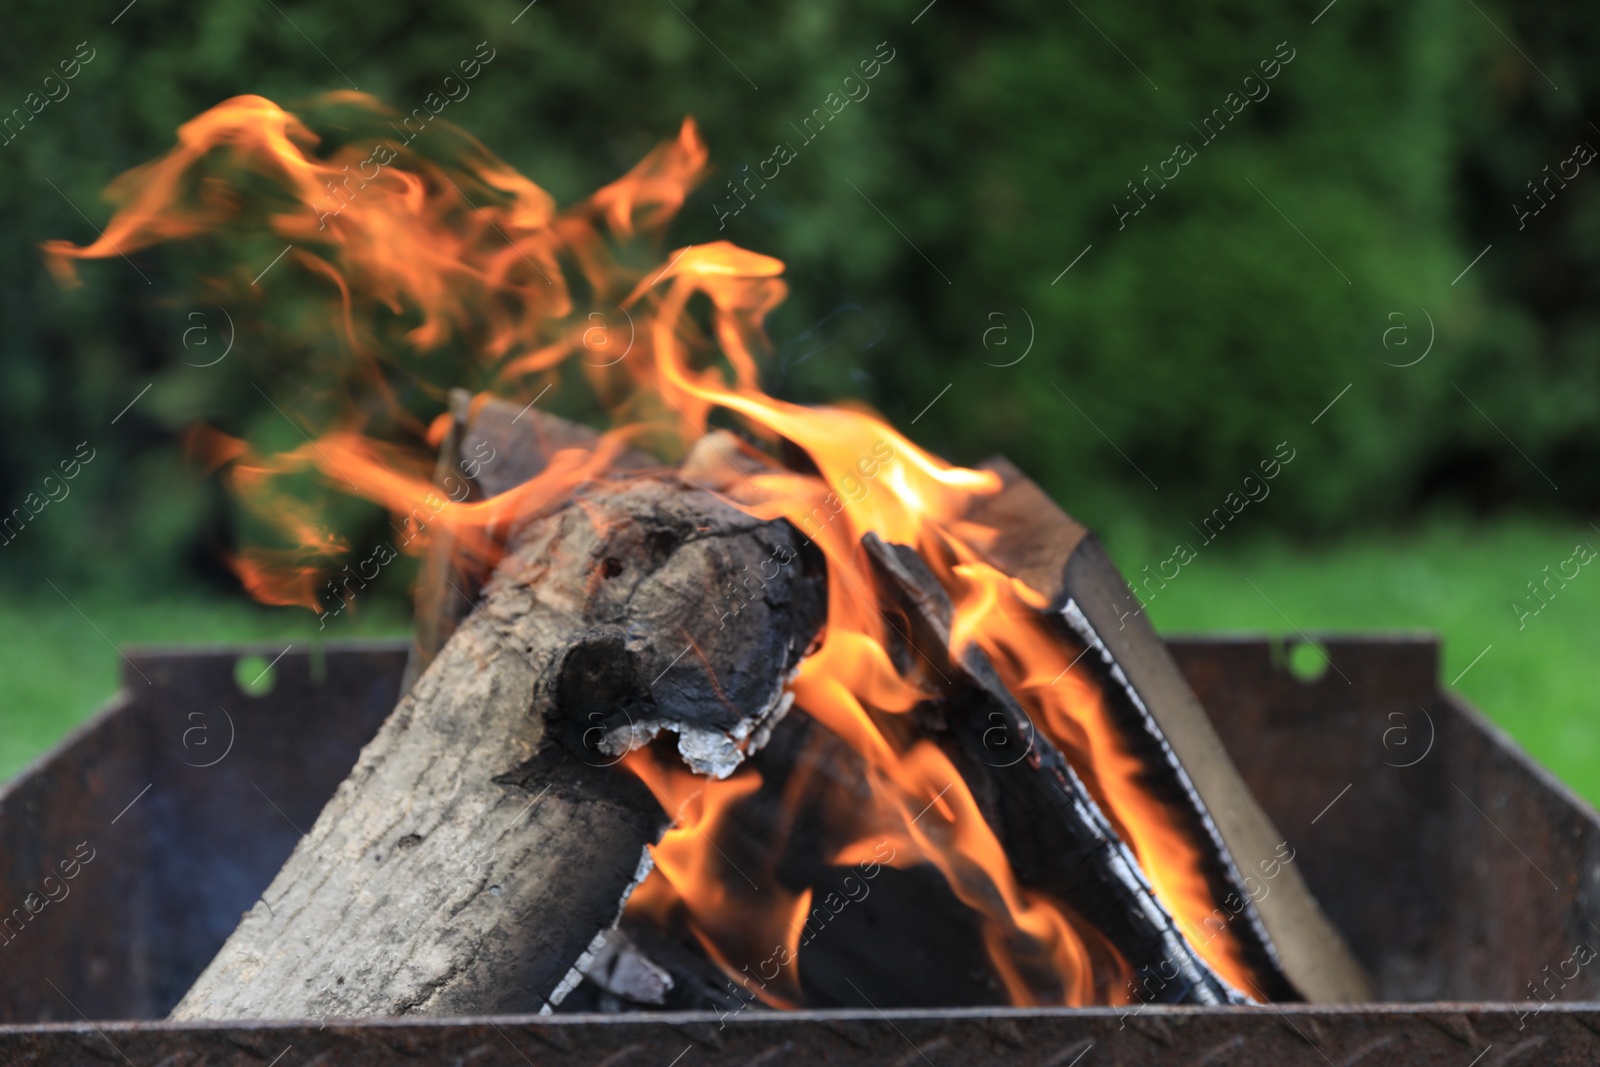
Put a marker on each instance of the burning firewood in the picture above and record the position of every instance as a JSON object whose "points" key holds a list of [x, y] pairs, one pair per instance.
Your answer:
{"points": [[1288, 942], [894, 936], [483, 840], [579, 610], [1035, 799], [1058, 839]]}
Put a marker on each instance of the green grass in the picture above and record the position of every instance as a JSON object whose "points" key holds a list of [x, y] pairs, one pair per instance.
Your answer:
{"points": [[1538, 681], [1458, 580], [58, 662]]}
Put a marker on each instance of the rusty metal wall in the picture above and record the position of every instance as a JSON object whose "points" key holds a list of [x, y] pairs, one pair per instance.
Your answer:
{"points": [[1459, 870], [1464, 1035], [185, 795], [1457, 867]]}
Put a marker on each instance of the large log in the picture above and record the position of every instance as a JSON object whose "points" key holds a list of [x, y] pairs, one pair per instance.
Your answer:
{"points": [[1291, 945], [483, 841]]}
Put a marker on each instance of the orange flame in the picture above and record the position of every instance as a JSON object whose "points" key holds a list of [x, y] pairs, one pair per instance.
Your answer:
{"points": [[1003, 617], [447, 266], [741, 924]]}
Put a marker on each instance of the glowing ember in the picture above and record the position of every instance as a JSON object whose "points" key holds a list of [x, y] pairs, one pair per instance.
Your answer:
{"points": [[451, 268]]}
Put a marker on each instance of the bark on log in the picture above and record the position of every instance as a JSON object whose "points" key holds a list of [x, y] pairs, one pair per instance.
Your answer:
{"points": [[483, 840], [1056, 836], [491, 445], [438, 607]]}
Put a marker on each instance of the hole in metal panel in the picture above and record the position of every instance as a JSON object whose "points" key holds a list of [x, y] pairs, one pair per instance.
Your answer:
{"points": [[1307, 660], [256, 675]]}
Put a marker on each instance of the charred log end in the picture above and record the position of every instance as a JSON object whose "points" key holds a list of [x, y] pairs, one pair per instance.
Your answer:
{"points": [[598, 696], [510, 839]]}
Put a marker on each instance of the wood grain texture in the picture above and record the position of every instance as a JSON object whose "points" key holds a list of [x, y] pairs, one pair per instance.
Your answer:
{"points": [[490, 446], [1289, 942], [1306, 949], [484, 837], [1056, 837]]}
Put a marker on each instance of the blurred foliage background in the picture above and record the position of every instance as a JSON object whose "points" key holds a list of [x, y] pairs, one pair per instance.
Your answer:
{"points": [[1317, 244]]}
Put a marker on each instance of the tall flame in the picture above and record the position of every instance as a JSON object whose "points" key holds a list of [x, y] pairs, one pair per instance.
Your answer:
{"points": [[446, 266]]}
